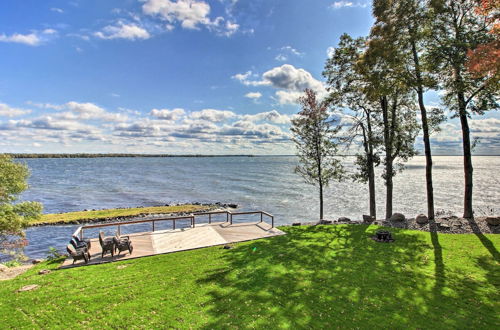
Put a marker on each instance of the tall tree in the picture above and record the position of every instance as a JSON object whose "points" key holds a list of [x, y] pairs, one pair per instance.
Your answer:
{"points": [[346, 88], [14, 216], [456, 28], [315, 137], [383, 66], [405, 25]]}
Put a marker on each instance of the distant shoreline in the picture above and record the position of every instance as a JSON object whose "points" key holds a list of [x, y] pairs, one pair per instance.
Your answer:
{"points": [[122, 155]]}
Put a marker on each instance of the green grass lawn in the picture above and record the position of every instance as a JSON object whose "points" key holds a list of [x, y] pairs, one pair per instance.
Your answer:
{"points": [[71, 217], [314, 277]]}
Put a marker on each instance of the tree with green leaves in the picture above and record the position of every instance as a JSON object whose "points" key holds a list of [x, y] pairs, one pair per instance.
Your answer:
{"points": [[382, 64], [405, 25], [316, 141], [456, 28], [14, 216], [346, 86]]}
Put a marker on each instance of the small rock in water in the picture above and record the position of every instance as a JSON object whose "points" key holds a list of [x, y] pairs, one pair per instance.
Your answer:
{"points": [[28, 288], [233, 206], [296, 224], [44, 272], [397, 217], [422, 219], [344, 219]]}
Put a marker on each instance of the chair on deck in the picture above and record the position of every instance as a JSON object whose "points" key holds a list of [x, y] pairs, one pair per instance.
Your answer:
{"points": [[78, 254], [78, 244], [123, 243], [107, 244], [81, 242]]}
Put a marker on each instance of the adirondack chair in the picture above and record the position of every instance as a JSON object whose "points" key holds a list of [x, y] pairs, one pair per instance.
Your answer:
{"points": [[107, 244], [123, 243], [78, 254], [81, 242]]}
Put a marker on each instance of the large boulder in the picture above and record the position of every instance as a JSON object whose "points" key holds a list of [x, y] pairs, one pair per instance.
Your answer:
{"points": [[397, 217], [493, 221], [422, 219]]}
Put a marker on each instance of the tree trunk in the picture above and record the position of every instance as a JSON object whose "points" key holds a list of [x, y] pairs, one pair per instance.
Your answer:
{"points": [[468, 169], [388, 157], [425, 129], [371, 169], [320, 200]]}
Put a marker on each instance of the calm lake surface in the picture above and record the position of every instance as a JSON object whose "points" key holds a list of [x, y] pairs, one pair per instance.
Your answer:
{"points": [[254, 183]]}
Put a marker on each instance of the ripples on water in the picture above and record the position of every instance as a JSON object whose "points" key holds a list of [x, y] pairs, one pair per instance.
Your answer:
{"points": [[254, 183]]}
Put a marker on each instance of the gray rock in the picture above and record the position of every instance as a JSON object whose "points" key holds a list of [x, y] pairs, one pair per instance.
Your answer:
{"points": [[296, 224], [397, 217], [368, 218], [44, 272], [28, 288], [422, 219], [493, 221], [36, 261], [324, 222], [344, 219]]}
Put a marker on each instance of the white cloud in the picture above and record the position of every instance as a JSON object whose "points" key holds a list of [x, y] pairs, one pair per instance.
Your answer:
{"points": [[281, 58], [7, 111], [49, 31], [290, 80], [123, 31], [31, 39], [213, 115], [190, 14], [253, 95], [330, 51], [291, 50], [57, 10], [166, 114], [272, 116], [348, 4]]}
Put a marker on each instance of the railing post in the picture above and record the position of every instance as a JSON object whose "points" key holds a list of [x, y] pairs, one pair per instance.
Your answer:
{"points": [[174, 224], [261, 216], [81, 234], [231, 219], [153, 225], [209, 218], [192, 220], [272, 222], [227, 216], [119, 232]]}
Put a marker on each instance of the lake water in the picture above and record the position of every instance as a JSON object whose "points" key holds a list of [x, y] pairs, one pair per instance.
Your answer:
{"points": [[254, 183]]}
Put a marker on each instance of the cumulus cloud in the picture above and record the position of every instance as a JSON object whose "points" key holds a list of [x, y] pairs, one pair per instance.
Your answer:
{"points": [[213, 115], [31, 39], [253, 95], [7, 111], [272, 116], [167, 114], [123, 31], [290, 80], [190, 14]]}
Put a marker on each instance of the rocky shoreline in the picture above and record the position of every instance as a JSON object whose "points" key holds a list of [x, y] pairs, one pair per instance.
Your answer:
{"points": [[447, 224], [208, 208]]}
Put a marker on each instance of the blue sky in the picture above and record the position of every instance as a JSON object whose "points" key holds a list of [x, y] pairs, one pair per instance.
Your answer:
{"points": [[172, 76]]}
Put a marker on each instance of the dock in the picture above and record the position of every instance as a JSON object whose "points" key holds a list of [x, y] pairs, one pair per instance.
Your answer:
{"points": [[181, 239]]}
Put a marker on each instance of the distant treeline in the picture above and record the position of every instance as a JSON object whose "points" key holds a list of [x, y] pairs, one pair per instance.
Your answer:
{"points": [[112, 155]]}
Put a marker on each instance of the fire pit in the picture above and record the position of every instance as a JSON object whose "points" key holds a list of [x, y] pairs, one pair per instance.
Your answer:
{"points": [[383, 236]]}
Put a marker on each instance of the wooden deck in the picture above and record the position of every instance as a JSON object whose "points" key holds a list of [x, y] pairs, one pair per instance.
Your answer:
{"points": [[168, 241]]}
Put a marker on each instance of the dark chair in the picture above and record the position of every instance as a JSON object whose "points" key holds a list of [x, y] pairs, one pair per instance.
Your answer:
{"points": [[123, 243], [107, 244], [82, 241], [78, 254], [77, 244]]}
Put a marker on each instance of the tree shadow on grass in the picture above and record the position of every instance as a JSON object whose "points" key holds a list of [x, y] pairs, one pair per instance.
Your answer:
{"points": [[324, 276], [484, 240]]}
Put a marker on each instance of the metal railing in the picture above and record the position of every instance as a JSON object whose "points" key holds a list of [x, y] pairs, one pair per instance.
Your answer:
{"points": [[191, 217]]}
